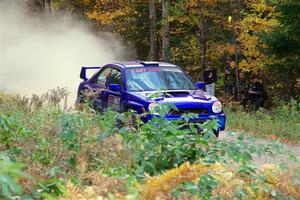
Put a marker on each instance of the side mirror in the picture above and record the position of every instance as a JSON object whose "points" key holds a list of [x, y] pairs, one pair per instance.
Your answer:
{"points": [[201, 85], [114, 87]]}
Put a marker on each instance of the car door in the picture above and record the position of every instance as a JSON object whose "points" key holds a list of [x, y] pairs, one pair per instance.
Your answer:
{"points": [[98, 86], [114, 98]]}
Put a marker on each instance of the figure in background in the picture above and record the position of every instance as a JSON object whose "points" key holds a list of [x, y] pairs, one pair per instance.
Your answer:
{"points": [[256, 93], [243, 88], [210, 78], [229, 80]]}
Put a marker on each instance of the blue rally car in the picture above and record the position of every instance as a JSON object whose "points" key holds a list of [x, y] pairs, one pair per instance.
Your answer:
{"points": [[131, 85]]}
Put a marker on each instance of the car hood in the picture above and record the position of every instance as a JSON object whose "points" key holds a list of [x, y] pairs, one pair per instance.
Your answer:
{"points": [[176, 97]]}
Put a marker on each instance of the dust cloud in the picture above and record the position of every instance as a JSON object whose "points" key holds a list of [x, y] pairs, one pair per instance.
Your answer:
{"points": [[38, 53]]}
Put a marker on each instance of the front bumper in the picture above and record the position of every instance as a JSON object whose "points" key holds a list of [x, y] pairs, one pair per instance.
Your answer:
{"points": [[200, 119]]}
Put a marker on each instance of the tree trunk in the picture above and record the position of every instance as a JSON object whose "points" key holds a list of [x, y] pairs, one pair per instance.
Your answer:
{"points": [[202, 44], [236, 47], [166, 31], [236, 60], [201, 37], [152, 19], [48, 5]]}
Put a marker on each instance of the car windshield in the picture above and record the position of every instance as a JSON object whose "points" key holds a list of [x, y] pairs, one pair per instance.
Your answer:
{"points": [[157, 78]]}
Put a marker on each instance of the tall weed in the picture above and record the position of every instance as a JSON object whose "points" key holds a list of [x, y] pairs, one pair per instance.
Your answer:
{"points": [[282, 122]]}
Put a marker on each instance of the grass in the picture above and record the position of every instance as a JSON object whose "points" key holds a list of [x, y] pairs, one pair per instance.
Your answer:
{"points": [[281, 123]]}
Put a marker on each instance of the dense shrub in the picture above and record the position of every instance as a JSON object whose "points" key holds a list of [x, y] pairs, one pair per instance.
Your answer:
{"points": [[10, 173], [163, 144], [85, 154], [54, 142]]}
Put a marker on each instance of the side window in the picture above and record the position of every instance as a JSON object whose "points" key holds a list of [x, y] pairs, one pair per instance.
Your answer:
{"points": [[115, 77], [102, 77]]}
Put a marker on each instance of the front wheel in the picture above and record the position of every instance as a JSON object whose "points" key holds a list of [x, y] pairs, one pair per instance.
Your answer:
{"points": [[216, 132]]}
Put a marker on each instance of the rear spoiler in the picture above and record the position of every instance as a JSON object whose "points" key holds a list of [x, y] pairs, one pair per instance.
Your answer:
{"points": [[83, 72]]}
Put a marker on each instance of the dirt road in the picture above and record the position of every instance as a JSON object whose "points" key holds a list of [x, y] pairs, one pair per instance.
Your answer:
{"points": [[277, 159]]}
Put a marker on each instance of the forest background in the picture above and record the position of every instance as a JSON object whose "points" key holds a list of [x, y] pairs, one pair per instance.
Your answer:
{"points": [[259, 37]]}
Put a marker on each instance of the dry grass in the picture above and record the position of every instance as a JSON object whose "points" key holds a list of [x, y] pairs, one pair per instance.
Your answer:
{"points": [[93, 183], [284, 182], [162, 185]]}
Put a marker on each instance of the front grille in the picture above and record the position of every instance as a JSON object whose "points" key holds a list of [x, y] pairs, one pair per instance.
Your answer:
{"points": [[182, 111]]}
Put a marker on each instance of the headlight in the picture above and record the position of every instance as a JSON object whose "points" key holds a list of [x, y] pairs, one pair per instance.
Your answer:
{"points": [[217, 107], [152, 107]]}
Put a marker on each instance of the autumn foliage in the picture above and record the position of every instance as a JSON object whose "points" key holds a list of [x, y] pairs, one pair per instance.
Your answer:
{"points": [[253, 34]]}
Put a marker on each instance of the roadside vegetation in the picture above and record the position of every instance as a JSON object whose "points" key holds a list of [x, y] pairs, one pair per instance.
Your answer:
{"points": [[282, 122], [49, 151]]}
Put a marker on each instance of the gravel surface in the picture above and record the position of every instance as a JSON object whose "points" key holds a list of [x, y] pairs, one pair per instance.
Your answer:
{"points": [[276, 159]]}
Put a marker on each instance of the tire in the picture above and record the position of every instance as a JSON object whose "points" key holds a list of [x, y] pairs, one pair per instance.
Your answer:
{"points": [[216, 132], [78, 106]]}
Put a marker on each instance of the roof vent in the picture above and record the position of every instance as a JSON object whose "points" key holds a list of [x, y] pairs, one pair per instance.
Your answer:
{"points": [[150, 63]]}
